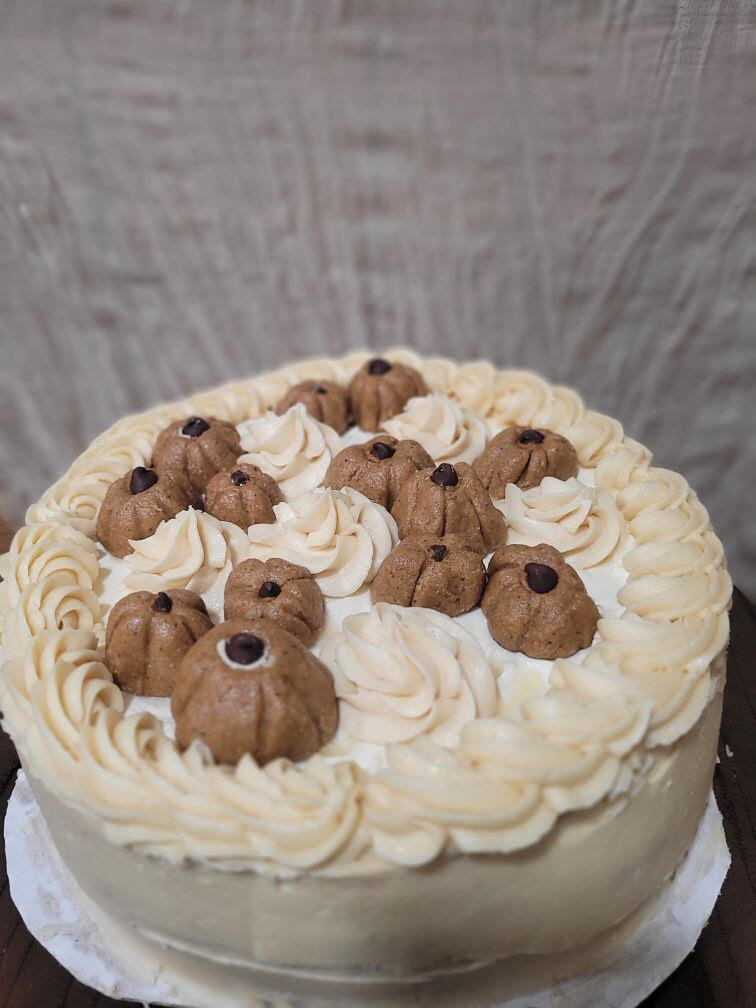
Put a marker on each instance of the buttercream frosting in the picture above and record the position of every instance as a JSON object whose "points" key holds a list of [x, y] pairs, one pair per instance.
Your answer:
{"points": [[338, 535], [293, 448], [446, 431]]}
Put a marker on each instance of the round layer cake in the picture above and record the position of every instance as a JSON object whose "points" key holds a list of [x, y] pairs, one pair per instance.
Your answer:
{"points": [[430, 660]]}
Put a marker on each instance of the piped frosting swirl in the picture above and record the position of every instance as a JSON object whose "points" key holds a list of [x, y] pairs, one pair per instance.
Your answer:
{"points": [[446, 431]]}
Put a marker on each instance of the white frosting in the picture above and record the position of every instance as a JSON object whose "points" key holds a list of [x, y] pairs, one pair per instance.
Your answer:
{"points": [[400, 673], [294, 448], [582, 522], [338, 535], [446, 431], [192, 550]]}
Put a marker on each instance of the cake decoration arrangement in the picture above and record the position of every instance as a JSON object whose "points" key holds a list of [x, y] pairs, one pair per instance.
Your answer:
{"points": [[324, 400], [523, 456], [249, 687], [450, 500], [293, 448], [380, 390], [285, 593], [243, 495], [194, 450], [148, 635], [480, 622], [444, 574], [134, 507], [378, 468], [535, 602], [446, 431]]}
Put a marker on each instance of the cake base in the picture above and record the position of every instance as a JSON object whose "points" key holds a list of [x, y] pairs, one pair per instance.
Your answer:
{"points": [[619, 969]]}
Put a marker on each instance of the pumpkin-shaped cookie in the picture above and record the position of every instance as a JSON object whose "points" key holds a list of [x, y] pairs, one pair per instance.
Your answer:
{"points": [[442, 574], [148, 635], [324, 400], [449, 500], [536, 603], [250, 687], [379, 468], [135, 505], [194, 450], [524, 456], [277, 590], [243, 495], [380, 389]]}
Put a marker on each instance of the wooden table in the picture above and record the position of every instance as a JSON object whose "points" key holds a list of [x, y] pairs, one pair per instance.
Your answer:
{"points": [[719, 973]]}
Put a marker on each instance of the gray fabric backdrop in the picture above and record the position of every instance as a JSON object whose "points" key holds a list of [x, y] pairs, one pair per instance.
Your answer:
{"points": [[190, 191]]}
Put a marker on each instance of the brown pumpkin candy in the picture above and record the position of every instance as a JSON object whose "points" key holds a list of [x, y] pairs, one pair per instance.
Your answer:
{"points": [[250, 687], [324, 400], [277, 590], [380, 390], [524, 456], [194, 450], [378, 468], [243, 495], [449, 500], [536, 603], [135, 505], [442, 574], [148, 635]]}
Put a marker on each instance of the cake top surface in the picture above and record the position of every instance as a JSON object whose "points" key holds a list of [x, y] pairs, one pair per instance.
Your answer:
{"points": [[453, 734]]}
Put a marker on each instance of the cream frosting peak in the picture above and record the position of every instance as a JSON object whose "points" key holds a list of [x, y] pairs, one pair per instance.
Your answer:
{"points": [[294, 448], [446, 431], [582, 522], [192, 550], [400, 673], [338, 535]]}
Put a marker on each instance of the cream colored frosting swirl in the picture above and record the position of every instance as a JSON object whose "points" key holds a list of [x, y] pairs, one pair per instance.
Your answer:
{"points": [[516, 397], [192, 550], [627, 464], [294, 449], [54, 602], [338, 535], [234, 402], [40, 550], [446, 431], [594, 437], [400, 673], [582, 522]]}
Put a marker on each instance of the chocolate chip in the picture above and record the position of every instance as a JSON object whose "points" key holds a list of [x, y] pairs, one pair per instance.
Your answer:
{"points": [[142, 479], [321, 391], [445, 475], [541, 578], [245, 648], [439, 552], [378, 366], [195, 426], [531, 437], [239, 477], [163, 602], [383, 451], [269, 589]]}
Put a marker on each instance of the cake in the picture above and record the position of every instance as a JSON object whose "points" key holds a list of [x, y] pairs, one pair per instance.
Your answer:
{"points": [[446, 682]]}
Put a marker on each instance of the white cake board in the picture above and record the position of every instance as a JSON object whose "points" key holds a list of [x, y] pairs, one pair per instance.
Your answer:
{"points": [[622, 970]]}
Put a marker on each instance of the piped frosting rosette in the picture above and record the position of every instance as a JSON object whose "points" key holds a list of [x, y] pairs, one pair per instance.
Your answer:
{"points": [[192, 550], [446, 431], [582, 522], [294, 449], [401, 673], [338, 535]]}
